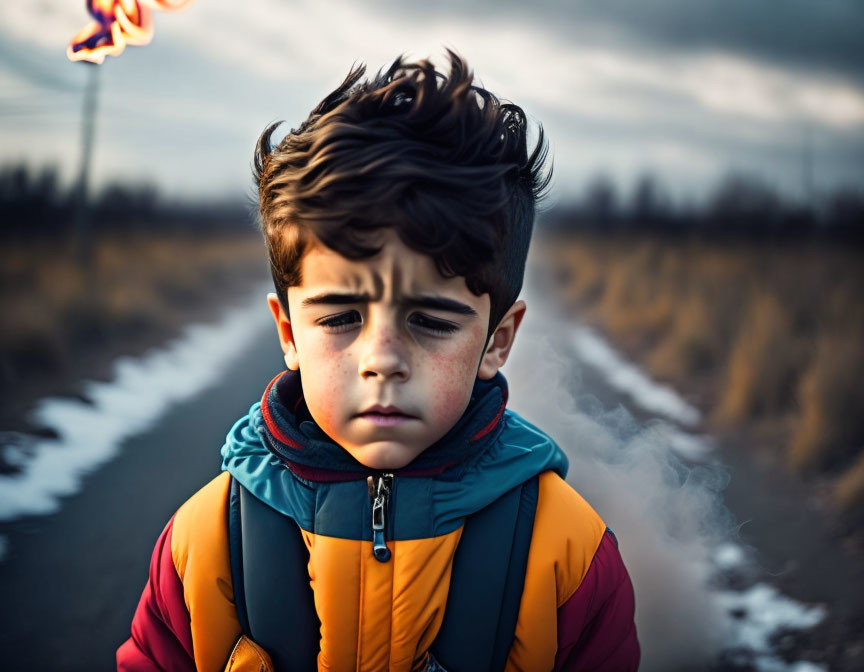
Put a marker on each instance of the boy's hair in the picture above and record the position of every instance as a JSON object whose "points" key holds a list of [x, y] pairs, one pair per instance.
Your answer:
{"points": [[441, 160]]}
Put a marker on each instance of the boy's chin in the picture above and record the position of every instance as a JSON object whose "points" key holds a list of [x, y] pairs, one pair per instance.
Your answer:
{"points": [[384, 456]]}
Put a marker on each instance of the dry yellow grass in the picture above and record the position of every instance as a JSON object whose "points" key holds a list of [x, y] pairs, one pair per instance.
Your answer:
{"points": [[831, 426], [778, 331], [135, 282], [763, 362], [692, 343]]}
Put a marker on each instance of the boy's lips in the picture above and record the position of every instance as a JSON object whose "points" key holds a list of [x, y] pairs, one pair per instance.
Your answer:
{"points": [[385, 416], [378, 409]]}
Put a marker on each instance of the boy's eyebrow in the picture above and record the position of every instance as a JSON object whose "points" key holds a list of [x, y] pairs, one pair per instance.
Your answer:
{"points": [[433, 302]]}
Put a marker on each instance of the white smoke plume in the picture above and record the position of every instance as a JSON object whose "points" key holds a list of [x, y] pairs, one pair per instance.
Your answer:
{"points": [[669, 516]]}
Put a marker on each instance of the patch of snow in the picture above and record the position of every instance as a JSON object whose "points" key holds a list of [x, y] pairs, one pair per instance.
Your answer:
{"points": [[630, 380], [805, 666], [772, 664], [758, 613]]}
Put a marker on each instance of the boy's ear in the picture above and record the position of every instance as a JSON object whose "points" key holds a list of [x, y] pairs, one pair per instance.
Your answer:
{"points": [[501, 341], [286, 334]]}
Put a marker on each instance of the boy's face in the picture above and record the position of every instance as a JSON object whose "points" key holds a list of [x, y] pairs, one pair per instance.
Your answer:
{"points": [[388, 332]]}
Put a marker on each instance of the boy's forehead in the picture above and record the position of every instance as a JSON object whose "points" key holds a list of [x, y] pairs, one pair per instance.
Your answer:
{"points": [[396, 269]]}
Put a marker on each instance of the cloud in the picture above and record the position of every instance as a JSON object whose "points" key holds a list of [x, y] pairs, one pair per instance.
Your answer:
{"points": [[619, 86], [801, 34]]}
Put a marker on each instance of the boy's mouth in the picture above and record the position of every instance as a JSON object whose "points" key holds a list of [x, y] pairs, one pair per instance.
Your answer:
{"points": [[385, 416], [386, 420]]}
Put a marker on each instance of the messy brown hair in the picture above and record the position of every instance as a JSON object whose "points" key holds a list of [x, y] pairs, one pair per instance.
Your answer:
{"points": [[440, 159]]}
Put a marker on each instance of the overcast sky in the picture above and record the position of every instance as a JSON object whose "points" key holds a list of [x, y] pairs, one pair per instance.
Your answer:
{"points": [[689, 90]]}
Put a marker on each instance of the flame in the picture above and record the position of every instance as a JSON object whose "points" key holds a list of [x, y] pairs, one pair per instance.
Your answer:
{"points": [[116, 24]]}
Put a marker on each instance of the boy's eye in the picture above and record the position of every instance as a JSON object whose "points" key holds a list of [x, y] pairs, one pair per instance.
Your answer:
{"points": [[438, 327], [341, 322]]}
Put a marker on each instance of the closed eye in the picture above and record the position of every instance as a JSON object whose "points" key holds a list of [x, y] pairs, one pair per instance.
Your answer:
{"points": [[340, 323], [430, 324]]}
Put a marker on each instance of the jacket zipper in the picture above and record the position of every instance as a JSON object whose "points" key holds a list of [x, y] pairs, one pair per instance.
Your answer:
{"points": [[379, 492]]}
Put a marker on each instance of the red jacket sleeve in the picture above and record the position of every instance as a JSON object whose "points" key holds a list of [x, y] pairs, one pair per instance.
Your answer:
{"points": [[596, 630], [161, 635]]}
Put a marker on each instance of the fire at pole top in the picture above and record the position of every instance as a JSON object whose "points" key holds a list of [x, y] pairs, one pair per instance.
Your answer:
{"points": [[117, 23]]}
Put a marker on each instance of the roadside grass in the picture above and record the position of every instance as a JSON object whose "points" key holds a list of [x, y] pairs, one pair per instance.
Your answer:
{"points": [[137, 286], [764, 335]]}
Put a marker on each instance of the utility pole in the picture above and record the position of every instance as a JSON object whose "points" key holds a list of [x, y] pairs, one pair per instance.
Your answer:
{"points": [[807, 169], [82, 221]]}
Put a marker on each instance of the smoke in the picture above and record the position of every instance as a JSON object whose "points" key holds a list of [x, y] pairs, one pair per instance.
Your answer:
{"points": [[668, 515]]}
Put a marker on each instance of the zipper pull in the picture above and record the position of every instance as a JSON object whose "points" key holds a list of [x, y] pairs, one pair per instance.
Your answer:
{"points": [[380, 490]]}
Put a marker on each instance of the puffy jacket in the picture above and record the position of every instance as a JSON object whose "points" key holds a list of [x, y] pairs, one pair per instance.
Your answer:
{"points": [[577, 605]]}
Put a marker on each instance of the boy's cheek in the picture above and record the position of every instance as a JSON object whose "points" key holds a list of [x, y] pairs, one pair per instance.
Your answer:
{"points": [[323, 367], [451, 383], [322, 361], [448, 407]]}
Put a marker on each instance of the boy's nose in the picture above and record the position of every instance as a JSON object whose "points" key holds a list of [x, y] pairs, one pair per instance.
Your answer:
{"points": [[384, 355]]}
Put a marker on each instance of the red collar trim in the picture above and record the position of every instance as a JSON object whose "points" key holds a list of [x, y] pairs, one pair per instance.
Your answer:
{"points": [[272, 425], [494, 422]]}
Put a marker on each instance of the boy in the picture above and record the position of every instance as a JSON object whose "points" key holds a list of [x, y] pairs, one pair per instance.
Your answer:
{"points": [[397, 220]]}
